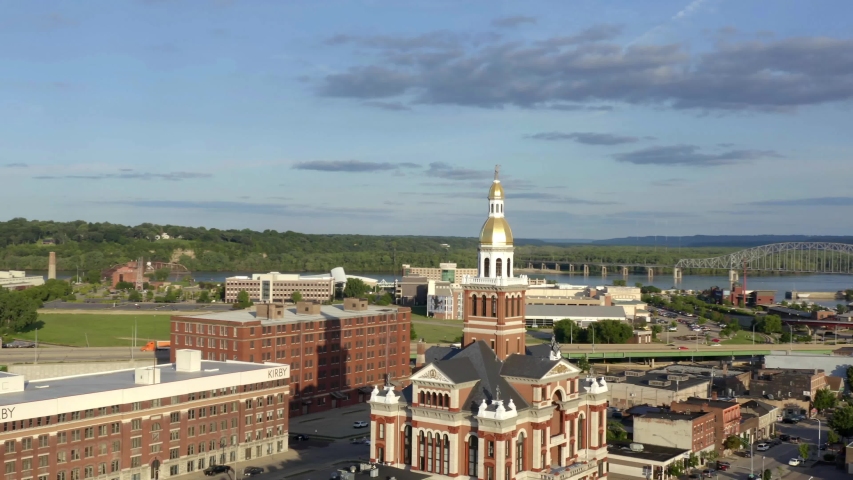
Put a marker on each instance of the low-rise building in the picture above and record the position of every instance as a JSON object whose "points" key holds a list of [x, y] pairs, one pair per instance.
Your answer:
{"points": [[279, 287], [153, 422], [692, 431], [633, 388], [726, 382], [767, 415], [446, 272], [547, 315], [787, 383], [641, 337], [411, 291], [644, 460], [336, 352], [18, 280], [727, 415], [444, 300]]}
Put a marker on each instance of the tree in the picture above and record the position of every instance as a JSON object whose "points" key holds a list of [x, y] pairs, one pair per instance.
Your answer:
{"points": [[639, 285], [693, 460], [785, 337], [18, 312], [619, 283], [611, 331], [824, 398], [832, 438], [243, 300], [656, 329], [125, 286], [702, 321], [766, 474], [850, 377], [296, 296], [161, 274], [768, 324], [134, 296], [584, 364], [732, 442], [839, 309], [203, 297], [616, 432], [650, 289], [171, 295], [568, 331], [412, 334], [385, 300], [355, 288], [804, 450], [842, 421], [149, 295], [676, 469], [93, 277]]}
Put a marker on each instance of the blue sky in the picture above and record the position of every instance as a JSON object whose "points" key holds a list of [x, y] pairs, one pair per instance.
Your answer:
{"points": [[608, 118]]}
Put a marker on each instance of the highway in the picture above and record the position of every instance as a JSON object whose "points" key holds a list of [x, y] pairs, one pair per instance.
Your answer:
{"points": [[73, 354]]}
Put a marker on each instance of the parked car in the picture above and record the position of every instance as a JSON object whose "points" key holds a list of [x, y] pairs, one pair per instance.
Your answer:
{"points": [[359, 424], [216, 469], [252, 471], [790, 420], [299, 437], [785, 438], [683, 348], [723, 466], [762, 447], [795, 440], [707, 473], [795, 462]]}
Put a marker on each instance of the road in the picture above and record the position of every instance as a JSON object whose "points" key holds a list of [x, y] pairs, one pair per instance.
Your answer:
{"points": [[72, 354]]}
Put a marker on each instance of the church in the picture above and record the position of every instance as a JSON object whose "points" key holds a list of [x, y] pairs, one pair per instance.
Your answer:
{"points": [[494, 409]]}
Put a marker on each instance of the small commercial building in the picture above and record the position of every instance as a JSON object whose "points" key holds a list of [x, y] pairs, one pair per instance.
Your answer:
{"points": [[153, 422], [691, 431], [653, 388], [727, 415], [787, 383], [546, 315], [642, 460]]}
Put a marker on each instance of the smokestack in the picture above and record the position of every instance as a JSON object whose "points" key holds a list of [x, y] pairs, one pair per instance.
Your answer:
{"points": [[51, 266], [421, 357]]}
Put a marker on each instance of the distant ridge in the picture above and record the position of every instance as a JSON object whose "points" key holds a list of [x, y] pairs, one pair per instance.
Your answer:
{"points": [[719, 240]]}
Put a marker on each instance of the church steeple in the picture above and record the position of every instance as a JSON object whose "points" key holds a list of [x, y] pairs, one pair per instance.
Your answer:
{"points": [[496, 242]]}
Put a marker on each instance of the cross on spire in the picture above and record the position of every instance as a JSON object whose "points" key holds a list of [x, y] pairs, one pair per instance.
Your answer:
{"points": [[497, 171]]}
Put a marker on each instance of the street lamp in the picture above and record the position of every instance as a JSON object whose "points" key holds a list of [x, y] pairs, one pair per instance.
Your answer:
{"points": [[818, 438]]}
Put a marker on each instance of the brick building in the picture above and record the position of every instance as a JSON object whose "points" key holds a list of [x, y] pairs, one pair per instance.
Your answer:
{"points": [[336, 352], [279, 287], [153, 422], [787, 382], [726, 415]]}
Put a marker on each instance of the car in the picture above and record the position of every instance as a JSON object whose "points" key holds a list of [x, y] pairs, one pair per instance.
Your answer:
{"points": [[299, 437], [762, 447], [790, 420], [694, 476], [252, 471], [683, 348], [795, 462], [785, 438], [775, 442], [715, 340], [673, 329], [723, 466], [795, 440], [359, 424], [216, 469], [746, 454], [824, 446], [716, 345], [707, 473]]}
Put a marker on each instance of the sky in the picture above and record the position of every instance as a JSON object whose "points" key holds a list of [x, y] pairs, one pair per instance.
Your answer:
{"points": [[608, 118]]}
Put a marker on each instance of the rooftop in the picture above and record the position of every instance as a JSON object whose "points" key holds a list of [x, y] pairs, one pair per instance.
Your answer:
{"points": [[664, 382], [327, 312], [653, 453], [569, 311], [56, 388], [675, 416], [710, 402]]}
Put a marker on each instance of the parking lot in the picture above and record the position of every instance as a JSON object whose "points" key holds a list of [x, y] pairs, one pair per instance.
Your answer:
{"points": [[333, 425]]}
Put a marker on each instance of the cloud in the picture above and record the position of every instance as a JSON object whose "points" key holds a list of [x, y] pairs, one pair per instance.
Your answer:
{"points": [[442, 68], [275, 209], [669, 182], [392, 106], [807, 202], [555, 198], [587, 138], [128, 175], [689, 155], [448, 172], [725, 145], [352, 166], [513, 21], [16, 165], [575, 108]]}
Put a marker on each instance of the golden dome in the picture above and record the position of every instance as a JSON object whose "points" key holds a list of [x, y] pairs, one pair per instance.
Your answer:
{"points": [[497, 191], [496, 230]]}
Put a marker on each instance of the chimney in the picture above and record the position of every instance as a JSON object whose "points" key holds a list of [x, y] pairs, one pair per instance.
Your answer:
{"points": [[421, 357], [355, 304], [51, 266]]}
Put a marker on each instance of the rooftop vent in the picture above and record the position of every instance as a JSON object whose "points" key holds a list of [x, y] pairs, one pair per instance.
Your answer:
{"points": [[660, 383], [611, 378], [678, 378], [147, 376], [187, 360], [634, 373], [355, 304], [636, 447]]}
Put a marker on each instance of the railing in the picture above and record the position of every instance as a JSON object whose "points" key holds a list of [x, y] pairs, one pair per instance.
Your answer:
{"points": [[569, 472], [497, 281]]}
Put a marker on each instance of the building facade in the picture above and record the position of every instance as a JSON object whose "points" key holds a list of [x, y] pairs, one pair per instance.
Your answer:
{"points": [[787, 383], [446, 272], [727, 416], [279, 287], [18, 280], [656, 388], [153, 422], [335, 351], [694, 431]]}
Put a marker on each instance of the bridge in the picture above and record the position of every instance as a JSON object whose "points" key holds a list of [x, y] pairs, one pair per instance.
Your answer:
{"points": [[787, 257]]}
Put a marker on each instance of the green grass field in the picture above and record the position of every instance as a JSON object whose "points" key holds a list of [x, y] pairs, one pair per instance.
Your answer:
{"points": [[437, 331], [744, 338], [101, 330]]}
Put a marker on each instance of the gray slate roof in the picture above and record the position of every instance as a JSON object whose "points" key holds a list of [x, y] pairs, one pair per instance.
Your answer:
{"points": [[527, 366]]}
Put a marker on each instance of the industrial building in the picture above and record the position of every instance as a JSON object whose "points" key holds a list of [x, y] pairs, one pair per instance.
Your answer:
{"points": [[336, 352], [18, 280], [634, 388], [546, 315], [153, 422]]}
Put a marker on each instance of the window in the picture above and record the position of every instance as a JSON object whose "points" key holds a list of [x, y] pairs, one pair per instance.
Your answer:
{"points": [[473, 445], [136, 424], [519, 453], [491, 449]]}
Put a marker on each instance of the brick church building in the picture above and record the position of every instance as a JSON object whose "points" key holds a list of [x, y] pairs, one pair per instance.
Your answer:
{"points": [[494, 409]]}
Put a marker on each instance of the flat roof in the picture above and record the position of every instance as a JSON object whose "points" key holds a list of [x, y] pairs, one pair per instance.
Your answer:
{"points": [[654, 453], [56, 388], [568, 311], [644, 381], [674, 415], [327, 312]]}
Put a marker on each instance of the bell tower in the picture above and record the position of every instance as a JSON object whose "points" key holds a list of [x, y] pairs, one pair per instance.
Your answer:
{"points": [[495, 299]]}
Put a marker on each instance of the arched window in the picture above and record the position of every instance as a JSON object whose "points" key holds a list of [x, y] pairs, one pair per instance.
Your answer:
{"points": [[519, 452], [473, 445], [421, 452], [486, 268], [508, 267], [499, 267], [557, 422], [483, 312], [445, 456], [473, 305], [581, 432], [429, 449], [494, 306], [407, 445], [421, 398], [155, 427], [507, 307], [447, 400]]}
